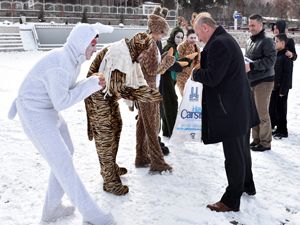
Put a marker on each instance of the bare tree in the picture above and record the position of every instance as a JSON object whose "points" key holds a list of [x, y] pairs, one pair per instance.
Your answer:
{"points": [[282, 8], [295, 9]]}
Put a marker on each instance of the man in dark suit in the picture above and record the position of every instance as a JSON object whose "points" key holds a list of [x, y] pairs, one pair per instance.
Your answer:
{"points": [[228, 108]]}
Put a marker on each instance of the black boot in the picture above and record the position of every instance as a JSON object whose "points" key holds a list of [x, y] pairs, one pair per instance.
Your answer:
{"points": [[165, 150]]}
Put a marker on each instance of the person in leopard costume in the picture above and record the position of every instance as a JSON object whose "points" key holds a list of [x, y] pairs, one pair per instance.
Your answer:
{"points": [[148, 149], [124, 79], [189, 46]]}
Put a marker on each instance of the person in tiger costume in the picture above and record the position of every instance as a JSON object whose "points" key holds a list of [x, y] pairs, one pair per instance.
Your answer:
{"points": [[148, 147], [189, 46], [124, 79]]}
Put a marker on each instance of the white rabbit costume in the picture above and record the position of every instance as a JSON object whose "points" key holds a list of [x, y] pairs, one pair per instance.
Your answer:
{"points": [[49, 87]]}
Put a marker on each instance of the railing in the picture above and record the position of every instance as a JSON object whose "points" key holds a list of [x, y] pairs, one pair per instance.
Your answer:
{"points": [[76, 8]]}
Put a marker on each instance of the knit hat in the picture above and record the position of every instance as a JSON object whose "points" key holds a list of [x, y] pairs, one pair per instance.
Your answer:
{"points": [[156, 21]]}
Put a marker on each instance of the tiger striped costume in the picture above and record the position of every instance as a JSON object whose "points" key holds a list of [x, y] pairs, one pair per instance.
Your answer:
{"points": [[184, 49], [104, 118], [148, 150]]}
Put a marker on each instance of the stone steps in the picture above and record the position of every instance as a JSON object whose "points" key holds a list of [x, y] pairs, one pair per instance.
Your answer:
{"points": [[11, 42]]}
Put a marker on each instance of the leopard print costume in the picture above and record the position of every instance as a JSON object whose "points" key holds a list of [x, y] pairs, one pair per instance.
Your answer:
{"points": [[184, 49], [148, 150], [104, 118]]}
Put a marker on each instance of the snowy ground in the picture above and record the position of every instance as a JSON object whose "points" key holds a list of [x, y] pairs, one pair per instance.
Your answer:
{"points": [[179, 198]]}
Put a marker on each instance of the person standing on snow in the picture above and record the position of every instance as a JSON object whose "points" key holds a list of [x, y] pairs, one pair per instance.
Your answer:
{"points": [[124, 79], [228, 109], [261, 50], [50, 87]]}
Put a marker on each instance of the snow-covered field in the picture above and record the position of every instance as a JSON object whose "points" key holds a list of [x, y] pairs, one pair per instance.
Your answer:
{"points": [[179, 198]]}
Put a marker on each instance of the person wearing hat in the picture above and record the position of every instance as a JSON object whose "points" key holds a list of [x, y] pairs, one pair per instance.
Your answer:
{"points": [[50, 87], [148, 147], [280, 28], [124, 79]]}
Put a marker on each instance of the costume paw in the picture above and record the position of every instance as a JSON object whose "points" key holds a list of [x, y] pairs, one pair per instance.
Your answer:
{"points": [[59, 212]]}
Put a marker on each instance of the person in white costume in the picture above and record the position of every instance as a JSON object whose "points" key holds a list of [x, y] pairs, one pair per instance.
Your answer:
{"points": [[49, 87]]}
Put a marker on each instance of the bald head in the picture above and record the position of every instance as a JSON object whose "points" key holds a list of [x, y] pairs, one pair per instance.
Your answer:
{"points": [[204, 26], [205, 18]]}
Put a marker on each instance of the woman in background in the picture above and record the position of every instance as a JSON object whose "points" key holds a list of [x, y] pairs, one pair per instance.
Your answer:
{"points": [[167, 84], [188, 47]]}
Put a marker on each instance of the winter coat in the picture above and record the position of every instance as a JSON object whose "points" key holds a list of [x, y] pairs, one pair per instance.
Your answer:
{"points": [[228, 109], [283, 73], [261, 50]]}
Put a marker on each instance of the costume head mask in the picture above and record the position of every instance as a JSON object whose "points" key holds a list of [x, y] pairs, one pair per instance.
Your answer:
{"points": [[137, 44], [157, 23], [81, 36]]}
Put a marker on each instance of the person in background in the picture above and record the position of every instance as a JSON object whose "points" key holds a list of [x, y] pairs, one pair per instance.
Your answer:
{"points": [[290, 51], [282, 84], [261, 50], [187, 47], [228, 109], [280, 28], [163, 13], [167, 85], [124, 79], [50, 87]]}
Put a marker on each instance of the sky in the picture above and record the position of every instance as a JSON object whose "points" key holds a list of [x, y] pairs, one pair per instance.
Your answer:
{"points": [[177, 198]]}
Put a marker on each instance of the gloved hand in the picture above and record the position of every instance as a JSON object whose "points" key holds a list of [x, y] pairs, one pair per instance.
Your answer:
{"points": [[188, 58], [183, 63], [167, 61]]}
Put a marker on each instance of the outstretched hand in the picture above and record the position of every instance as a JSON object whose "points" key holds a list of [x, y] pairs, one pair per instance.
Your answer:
{"points": [[197, 66], [183, 63], [170, 52], [192, 56], [101, 78]]}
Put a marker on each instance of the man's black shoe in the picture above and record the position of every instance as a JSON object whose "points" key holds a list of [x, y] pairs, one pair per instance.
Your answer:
{"points": [[253, 144], [260, 148], [280, 135], [250, 192]]}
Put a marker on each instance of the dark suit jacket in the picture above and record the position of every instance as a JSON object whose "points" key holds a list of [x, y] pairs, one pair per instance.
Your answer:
{"points": [[228, 106]]}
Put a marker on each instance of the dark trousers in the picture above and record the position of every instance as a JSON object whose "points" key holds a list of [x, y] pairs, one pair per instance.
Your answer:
{"points": [[169, 104], [238, 170], [278, 112]]}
